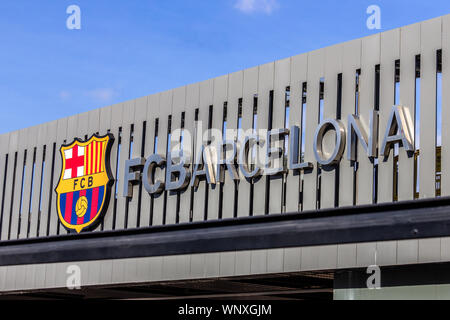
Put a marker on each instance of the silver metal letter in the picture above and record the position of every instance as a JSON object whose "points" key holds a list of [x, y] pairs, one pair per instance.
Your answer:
{"points": [[148, 174], [178, 171], [322, 157], [228, 161], [249, 141], [204, 160], [275, 153], [398, 130], [357, 129], [132, 177], [294, 138]]}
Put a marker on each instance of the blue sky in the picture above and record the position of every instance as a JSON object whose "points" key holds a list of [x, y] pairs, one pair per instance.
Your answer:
{"points": [[128, 49]]}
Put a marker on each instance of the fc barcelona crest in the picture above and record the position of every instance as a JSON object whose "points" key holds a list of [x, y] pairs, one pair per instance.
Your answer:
{"points": [[84, 187]]}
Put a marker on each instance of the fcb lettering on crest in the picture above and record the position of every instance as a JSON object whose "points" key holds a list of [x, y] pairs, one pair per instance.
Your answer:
{"points": [[85, 183]]}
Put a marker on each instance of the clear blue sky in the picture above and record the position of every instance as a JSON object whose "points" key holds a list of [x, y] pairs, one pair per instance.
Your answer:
{"points": [[128, 49]]}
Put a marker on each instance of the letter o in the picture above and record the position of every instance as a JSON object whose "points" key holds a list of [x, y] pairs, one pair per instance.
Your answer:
{"points": [[322, 157]]}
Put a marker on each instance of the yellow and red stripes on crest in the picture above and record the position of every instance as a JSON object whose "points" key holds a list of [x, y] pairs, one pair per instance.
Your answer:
{"points": [[94, 157]]}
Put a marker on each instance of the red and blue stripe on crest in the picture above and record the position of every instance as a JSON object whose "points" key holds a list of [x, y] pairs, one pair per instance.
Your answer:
{"points": [[68, 201]]}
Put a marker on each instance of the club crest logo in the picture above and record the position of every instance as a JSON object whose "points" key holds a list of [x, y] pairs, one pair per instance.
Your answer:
{"points": [[84, 186]]}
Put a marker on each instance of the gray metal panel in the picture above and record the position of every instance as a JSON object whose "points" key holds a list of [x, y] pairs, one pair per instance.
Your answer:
{"points": [[23, 136], [26, 215], [192, 102], [292, 259], [61, 133], [445, 153], [165, 108], [315, 72], [410, 47], [386, 253], [282, 79], [116, 115], [265, 85], [351, 61], [4, 146], [179, 100], [139, 118], [250, 88], [220, 96], [430, 42], [346, 255], [151, 115], [47, 186], [235, 86], [206, 100], [122, 202], [333, 66], [429, 250], [227, 263], [370, 56], [366, 254], [34, 212], [407, 251], [390, 51], [299, 65]]}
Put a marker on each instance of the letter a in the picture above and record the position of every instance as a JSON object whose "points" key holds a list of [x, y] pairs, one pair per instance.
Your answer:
{"points": [[374, 21], [74, 20]]}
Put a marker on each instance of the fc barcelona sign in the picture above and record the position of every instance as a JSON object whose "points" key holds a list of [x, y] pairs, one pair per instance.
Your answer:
{"points": [[85, 184]]}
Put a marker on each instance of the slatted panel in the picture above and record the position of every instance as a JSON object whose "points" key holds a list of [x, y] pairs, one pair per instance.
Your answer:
{"points": [[47, 184], [165, 106], [333, 66], [4, 146], [282, 78], [140, 110], [9, 194], [250, 88], [370, 57], [151, 115], [220, 96], [179, 96], [235, 85], [206, 100], [298, 73], [315, 72], [122, 202], [25, 215], [116, 116], [61, 133], [192, 102], [430, 42], [410, 47], [41, 132], [390, 51], [36, 187], [445, 160], [351, 61], [265, 85], [23, 135]]}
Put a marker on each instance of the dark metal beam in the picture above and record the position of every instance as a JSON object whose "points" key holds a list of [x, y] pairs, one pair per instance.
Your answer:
{"points": [[403, 220]]}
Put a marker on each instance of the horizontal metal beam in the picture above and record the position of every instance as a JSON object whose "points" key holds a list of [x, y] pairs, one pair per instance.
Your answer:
{"points": [[395, 221]]}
